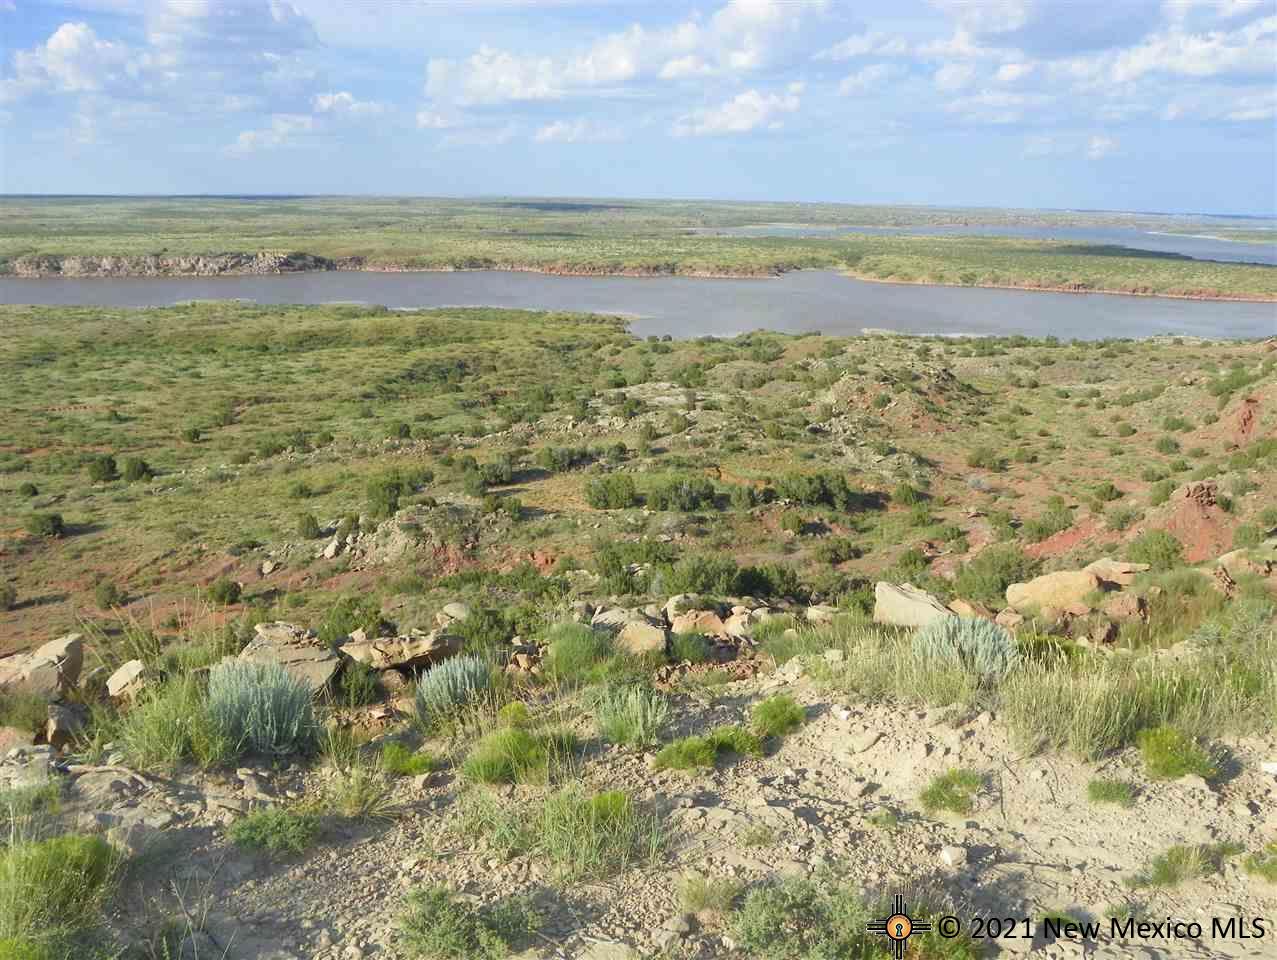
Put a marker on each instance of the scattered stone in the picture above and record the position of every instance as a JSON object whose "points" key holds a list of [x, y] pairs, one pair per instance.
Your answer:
{"points": [[698, 621], [333, 548], [455, 611], [1064, 590], [417, 650], [1009, 619], [639, 637], [821, 613], [298, 651], [953, 856], [864, 740], [906, 605], [1125, 607], [267, 568], [64, 723]]}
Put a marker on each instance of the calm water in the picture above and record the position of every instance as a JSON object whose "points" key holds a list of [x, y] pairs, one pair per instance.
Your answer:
{"points": [[684, 307], [1194, 247]]}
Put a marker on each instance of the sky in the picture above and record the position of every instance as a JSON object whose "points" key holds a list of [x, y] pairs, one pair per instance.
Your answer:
{"points": [[1151, 105]]}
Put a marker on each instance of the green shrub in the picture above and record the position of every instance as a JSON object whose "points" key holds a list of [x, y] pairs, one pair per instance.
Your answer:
{"points": [[690, 648], [45, 525], [983, 649], [8, 596], [835, 550], [1160, 492], [702, 751], [261, 708], [53, 887], [777, 716], [277, 830], [358, 685], [1166, 445], [451, 686], [954, 791], [1263, 864], [986, 458], [615, 492], [1119, 518], [633, 716], [1169, 754], [436, 926], [574, 652], [594, 835], [136, 469], [791, 521], [102, 469], [1248, 535], [108, 596], [308, 526], [348, 614], [1055, 518], [398, 761], [681, 493], [987, 576], [170, 724], [1158, 548], [1117, 792], [1106, 492], [224, 591], [27, 489]]}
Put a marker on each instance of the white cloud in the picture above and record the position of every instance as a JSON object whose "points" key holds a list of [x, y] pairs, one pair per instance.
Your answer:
{"points": [[483, 136], [740, 37], [1041, 145], [283, 129], [1251, 49], [870, 43], [954, 76], [995, 106], [435, 120], [865, 79], [344, 102], [575, 131], [987, 16], [73, 60], [1012, 72], [1100, 146], [743, 113]]}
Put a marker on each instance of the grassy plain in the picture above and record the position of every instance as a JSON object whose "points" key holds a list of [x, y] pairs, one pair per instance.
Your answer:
{"points": [[606, 236]]}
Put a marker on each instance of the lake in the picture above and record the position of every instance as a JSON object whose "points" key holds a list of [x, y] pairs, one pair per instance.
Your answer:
{"points": [[686, 307]]}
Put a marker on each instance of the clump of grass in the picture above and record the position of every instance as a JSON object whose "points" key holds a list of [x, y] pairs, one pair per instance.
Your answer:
{"points": [[358, 686], [777, 716], [708, 896], [983, 649], [1117, 792], [1263, 864], [280, 831], [804, 919], [695, 752], [436, 925], [261, 708], [362, 791], [633, 716], [574, 652], [689, 647], [884, 818], [1183, 862], [171, 724], [514, 755], [1169, 754], [954, 791], [25, 711], [51, 889], [398, 761]]}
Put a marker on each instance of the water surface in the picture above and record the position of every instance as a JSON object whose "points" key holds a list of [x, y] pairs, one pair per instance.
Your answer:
{"points": [[686, 307]]}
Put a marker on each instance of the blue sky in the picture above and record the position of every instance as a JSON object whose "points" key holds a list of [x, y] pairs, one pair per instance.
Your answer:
{"points": [[1116, 104]]}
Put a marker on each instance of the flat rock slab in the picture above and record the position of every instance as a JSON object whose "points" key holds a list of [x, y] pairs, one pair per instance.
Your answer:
{"points": [[388, 653], [906, 605], [296, 650], [49, 671]]}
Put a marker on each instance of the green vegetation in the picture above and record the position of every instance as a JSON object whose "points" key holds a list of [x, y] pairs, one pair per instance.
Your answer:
{"points": [[777, 716], [1169, 753], [1181, 863], [1117, 792], [280, 831], [634, 716], [436, 925], [953, 792], [694, 752]]}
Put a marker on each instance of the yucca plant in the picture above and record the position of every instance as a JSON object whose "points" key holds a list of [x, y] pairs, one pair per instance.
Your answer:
{"points": [[450, 686], [261, 708], [977, 646]]}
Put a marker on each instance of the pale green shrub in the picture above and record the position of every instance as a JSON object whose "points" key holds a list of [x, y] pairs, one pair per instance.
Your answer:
{"points": [[972, 644], [261, 708]]}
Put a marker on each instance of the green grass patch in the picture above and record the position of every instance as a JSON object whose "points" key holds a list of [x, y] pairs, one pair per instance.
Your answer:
{"points": [[1183, 863], [702, 752], [1169, 754], [952, 792], [777, 716], [1117, 792], [279, 831]]}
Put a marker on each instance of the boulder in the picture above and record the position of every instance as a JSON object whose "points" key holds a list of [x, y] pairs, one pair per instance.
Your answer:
{"points": [[1239, 563], [906, 605], [48, 672], [1124, 607], [451, 613], [639, 638], [580, 611], [1008, 619], [741, 625], [400, 653], [971, 609], [612, 619], [298, 651], [698, 621], [1064, 590], [333, 548], [681, 603], [127, 681], [14, 737], [821, 613], [64, 723], [1117, 572]]}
